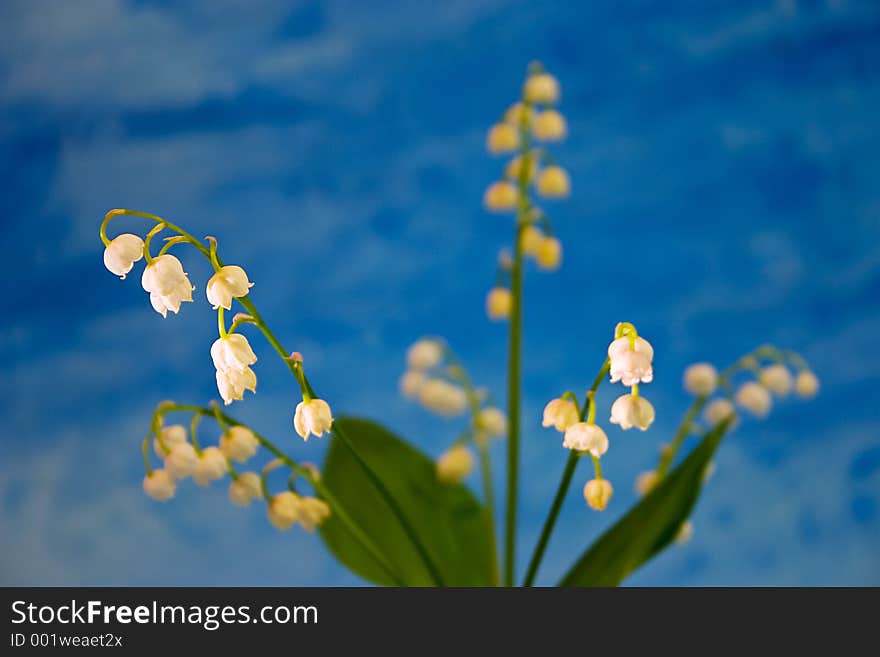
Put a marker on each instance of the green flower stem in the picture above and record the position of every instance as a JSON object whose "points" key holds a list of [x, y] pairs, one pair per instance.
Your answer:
{"points": [[668, 455], [145, 448], [564, 483], [489, 496]]}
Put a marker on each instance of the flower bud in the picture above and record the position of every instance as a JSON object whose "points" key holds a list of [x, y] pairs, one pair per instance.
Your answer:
{"points": [[171, 435], [312, 512], [541, 88], [238, 443], [553, 182], [411, 382], [630, 364], [230, 282], [284, 509], [560, 414], [181, 460], [718, 411], [211, 465], [806, 384], [583, 437], [424, 354], [502, 138], [549, 253], [499, 303], [597, 493], [160, 484], [455, 465], [312, 417], [492, 421], [755, 398], [550, 126], [777, 379], [501, 196], [701, 379], [629, 411], [246, 488], [122, 252], [646, 482], [442, 397], [167, 284]]}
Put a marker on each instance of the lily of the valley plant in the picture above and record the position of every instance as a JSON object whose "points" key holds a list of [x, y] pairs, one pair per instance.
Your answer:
{"points": [[385, 510]]}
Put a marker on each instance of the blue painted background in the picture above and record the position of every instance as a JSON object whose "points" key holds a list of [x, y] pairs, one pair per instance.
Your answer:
{"points": [[724, 159]]}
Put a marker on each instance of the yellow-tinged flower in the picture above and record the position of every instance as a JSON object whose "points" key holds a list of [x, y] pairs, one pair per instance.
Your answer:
{"points": [[238, 443], [160, 485], [777, 379], [492, 421], [312, 512], [230, 282], [530, 240], [553, 182], [312, 417], [411, 383], [442, 397], [246, 488], [122, 252], [181, 461], [502, 138], [560, 414], [685, 532], [455, 465], [806, 384], [284, 509], [514, 168], [701, 379], [501, 196], [499, 303], [541, 88], [550, 126], [646, 481], [549, 253], [755, 398], [597, 493], [424, 354], [518, 113]]}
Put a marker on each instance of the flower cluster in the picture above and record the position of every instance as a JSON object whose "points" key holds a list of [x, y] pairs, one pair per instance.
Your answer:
{"points": [[519, 132], [437, 380], [183, 457], [629, 362]]}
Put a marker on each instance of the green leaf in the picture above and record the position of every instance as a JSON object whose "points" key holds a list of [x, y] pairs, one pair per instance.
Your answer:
{"points": [[650, 525], [449, 520]]}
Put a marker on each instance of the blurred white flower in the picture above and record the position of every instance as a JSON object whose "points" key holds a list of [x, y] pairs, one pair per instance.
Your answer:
{"points": [[631, 365], [246, 488], [442, 397], [684, 533], [238, 443], [424, 354], [492, 421], [122, 252], [597, 493], [167, 284], [454, 465], [755, 398], [284, 509], [312, 512], [701, 379], [629, 411], [777, 379], [171, 435], [211, 465], [806, 384], [181, 460], [230, 282], [411, 382], [718, 410], [560, 414], [584, 437], [312, 417], [232, 384], [646, 481], [160, 485]]}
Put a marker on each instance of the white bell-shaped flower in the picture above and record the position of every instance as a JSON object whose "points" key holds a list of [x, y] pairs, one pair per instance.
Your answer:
{"points": [[232, 352], [755, 398], [210, 466], [239, 443], [629, 411], [284, 509], [167, 284], [230, 282], [122, 252], [455, 464], [492, 421], [172, 435], [312, 417], [181, 460], [701, 379], [806, 384], [424, 354], [597, 493], [160, 485], [232, 384], [630, 364], [777, 379], [560, 414], [443, 398], [245, 489], [584, 437], [312, 512], [411, 382], [718, 410]]}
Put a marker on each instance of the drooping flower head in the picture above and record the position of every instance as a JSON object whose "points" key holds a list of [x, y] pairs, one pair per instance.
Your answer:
{"points": [[312, 512], [502, 138], [499, 303], [718, 410], [312, 418], [560, 414], [553, 182], [230, 282], [211, 465], [443, 397], [630, 411], [542, 89], [550, 126], [122, 252], [424, 354], [181, 460], [232, 352], [701, 379], [411, 383], [238, 443], [167, 284], [777, 379], [585, 437], [169, 436], [806, 384], [597, 493], [232, 384], [245, 488], [755, 398], [631, 360], [160, 485], [284, 509], [492, 421], [454, 465]]}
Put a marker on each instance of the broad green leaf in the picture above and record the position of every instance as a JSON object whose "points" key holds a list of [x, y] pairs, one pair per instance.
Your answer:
{"points": [[449, 520], [650, 525]]}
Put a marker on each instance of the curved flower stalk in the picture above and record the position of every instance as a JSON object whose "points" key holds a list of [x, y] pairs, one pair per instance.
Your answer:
{"points": [[525, 129], [438, 380], [233, 356]]}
